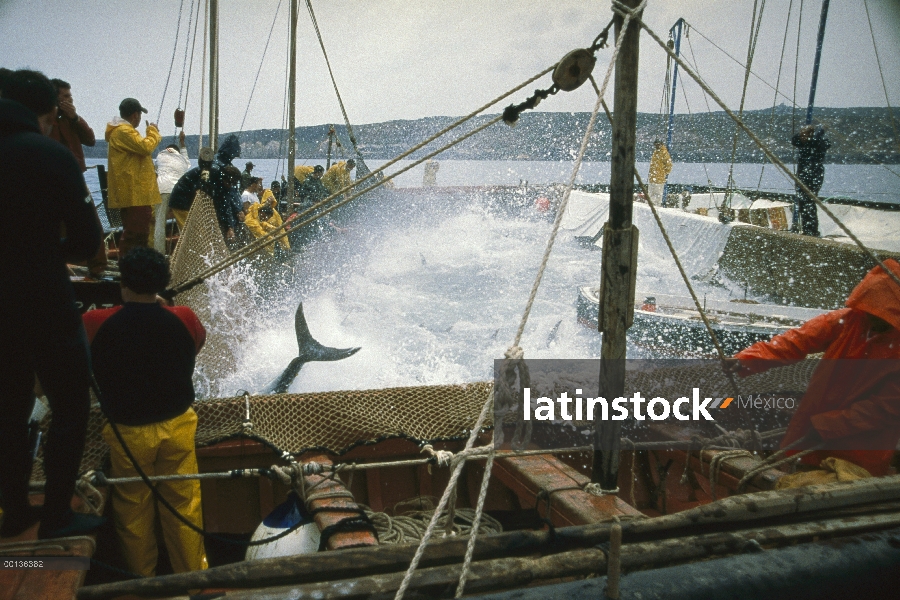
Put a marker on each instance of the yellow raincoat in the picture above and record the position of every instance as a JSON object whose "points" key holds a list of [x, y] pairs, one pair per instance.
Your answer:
{"points": [[268, 196], [165, 448], [301, 171], [132, 177], [660, 165], [259, 228], [337, 177]]}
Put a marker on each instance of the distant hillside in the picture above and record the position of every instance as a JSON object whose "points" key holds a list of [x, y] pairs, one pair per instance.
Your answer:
{"points": [[858, 135]]}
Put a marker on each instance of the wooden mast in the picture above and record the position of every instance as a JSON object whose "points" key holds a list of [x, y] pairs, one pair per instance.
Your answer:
{"points": [[619, 261], [292, 92], [214, 74]]}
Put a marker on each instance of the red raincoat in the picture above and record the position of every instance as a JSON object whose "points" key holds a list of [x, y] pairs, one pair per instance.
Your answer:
{"points": [[855, 407]]}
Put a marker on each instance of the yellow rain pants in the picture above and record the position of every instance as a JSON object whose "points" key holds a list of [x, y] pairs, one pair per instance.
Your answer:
{"points": [[165, 448]]}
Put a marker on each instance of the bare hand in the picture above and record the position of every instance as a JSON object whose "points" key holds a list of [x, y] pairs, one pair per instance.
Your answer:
{"points": [[229, 235], [153, 125], [181, 138], [241, 216], [291, 218], [68, 109]]}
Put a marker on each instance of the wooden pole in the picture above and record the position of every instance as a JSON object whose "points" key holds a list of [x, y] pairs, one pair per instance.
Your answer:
{"points": [[214, 74], [503, 573], [619, 254], [292, 95], [729, 513]]}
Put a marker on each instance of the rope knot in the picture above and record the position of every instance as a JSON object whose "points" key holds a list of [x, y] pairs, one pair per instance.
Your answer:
{"points": [[287, 474], [443, 458], [312, 468], [595, 489], [514, 353]]}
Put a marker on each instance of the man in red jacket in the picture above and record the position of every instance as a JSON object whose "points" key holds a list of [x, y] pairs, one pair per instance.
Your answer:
{"points": [[853, 406], [143, 359]]}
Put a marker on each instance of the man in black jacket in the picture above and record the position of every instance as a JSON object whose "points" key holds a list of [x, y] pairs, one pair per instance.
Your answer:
{"points": [[811, 144], [41, 334]]}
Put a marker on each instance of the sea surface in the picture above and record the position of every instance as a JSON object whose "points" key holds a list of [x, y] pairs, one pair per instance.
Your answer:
{"points": [[434, 292]]}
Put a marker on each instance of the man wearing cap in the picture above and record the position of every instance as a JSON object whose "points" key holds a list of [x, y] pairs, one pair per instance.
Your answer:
{"points": [[247, 175], [132, 179]]}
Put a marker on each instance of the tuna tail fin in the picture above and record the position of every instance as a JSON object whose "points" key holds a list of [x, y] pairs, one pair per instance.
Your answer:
{"points": [[311, 350]]}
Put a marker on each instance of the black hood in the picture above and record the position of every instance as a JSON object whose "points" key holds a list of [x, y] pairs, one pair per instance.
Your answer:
{"points": [[16, 118], [229, 149]]}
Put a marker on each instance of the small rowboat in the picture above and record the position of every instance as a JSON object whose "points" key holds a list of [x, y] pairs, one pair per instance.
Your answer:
{"points": [[672, 324]]}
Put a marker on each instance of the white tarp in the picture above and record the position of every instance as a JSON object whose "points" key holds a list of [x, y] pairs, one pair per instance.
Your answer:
{"points": [[698, 241], [877, 229]]}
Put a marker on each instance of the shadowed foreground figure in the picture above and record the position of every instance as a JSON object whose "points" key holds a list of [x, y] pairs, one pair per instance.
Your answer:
{"points": [[42, 333]]}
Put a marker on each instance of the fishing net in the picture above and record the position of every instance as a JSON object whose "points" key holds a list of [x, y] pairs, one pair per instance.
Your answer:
{"points": [[338, 421], [223, 302]]}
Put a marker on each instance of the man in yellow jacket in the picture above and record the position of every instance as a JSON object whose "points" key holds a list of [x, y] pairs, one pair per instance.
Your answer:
{"points": [[262, 218], [338, 176], [132, 179], [660, 167]]}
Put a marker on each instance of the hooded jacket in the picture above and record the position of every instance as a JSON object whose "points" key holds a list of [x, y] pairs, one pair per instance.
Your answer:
{"points": [[660, 165], [132, 178], [854, 405], [170, 166], [259, 227], [36, 289], [337, 177]]}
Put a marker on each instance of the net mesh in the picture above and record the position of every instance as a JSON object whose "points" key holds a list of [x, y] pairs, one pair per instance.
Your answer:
{"points": [[222, 303], [339, 421]]}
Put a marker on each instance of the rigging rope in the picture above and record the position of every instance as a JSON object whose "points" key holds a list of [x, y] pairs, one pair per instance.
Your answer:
{"points": [[451, 487], [796, 66], [203, 68], [261, 61], [315, 23], [283, 231], [787, 24], [514, 353], [172, 62], [755, 25], [187, 91], [684, 275], [881, 73], [771, 156], [184, 64], [696, 131]]}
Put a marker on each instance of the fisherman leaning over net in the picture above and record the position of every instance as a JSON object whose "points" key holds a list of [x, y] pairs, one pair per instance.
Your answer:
{"points": [[43, 334], [852, 406], [143, 355]]}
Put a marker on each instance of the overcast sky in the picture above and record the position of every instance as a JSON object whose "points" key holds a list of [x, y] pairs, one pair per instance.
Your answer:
{"points": [[403, 59]]}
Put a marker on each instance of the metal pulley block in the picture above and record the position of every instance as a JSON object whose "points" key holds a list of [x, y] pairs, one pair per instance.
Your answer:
{"points": [[574, 69]]}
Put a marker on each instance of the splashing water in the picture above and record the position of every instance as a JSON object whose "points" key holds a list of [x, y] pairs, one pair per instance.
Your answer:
{"points": [[432, 286]]}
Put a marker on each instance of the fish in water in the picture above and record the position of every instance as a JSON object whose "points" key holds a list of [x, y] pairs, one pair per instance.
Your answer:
{"points": [[309, 350], [553, 333]]}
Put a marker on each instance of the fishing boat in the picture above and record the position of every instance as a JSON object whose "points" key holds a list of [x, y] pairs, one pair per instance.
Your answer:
{"points": [[378, 471], [672, 324]]}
